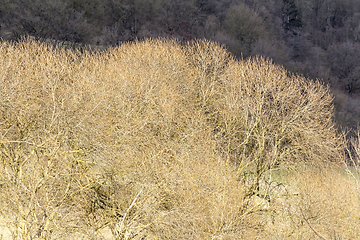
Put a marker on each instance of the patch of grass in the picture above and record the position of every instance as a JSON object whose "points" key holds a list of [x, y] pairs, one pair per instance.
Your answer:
{"points": [[315, 204]]}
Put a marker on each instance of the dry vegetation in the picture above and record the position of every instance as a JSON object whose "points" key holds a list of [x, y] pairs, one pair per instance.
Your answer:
{"points": [[155, 140]]}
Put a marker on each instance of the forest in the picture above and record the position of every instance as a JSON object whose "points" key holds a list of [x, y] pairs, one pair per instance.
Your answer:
{"points": [[318, 39]]}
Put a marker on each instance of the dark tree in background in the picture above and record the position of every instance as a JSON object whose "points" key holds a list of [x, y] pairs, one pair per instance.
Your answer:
{"points": [[291, 17], [53, 19]]}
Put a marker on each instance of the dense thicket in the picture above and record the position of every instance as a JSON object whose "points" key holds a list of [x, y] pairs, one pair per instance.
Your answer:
{"points": [[317, 38], [158, 140]]}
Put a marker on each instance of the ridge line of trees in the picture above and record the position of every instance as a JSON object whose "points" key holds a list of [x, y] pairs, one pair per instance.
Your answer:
{"points": [[316, 38]]}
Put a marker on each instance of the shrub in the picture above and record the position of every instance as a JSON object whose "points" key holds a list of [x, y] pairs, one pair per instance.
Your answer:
{"points": [[149, 139], [261, 115]]}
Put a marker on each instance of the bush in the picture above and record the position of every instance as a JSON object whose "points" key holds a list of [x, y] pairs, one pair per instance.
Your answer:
{"points": [[149, 139], [261, 115]]}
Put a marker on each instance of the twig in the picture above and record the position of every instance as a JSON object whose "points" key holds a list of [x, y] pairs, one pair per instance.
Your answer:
{"points": [[307, 222], [316, 232], [128, 210], [88, 114]]}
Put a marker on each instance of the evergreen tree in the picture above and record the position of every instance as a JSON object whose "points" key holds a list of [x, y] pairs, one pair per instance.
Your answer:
{"points": [[291, 17]]}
